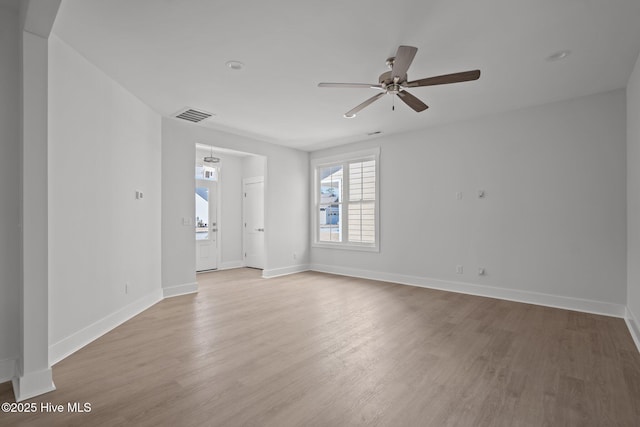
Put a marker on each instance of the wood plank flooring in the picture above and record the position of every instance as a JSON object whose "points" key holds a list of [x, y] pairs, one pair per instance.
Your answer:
{"points": [[313, 349]]}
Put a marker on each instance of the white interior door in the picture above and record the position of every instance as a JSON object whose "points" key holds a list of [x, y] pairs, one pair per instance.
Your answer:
{"points": [[206, 225], [253, 221]]}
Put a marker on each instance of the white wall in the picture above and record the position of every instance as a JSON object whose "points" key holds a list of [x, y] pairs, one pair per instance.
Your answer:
{"points": [[231, 211], [253, 166], [178, 246], [552, 221], [9, 191], [286, 200], [104, 145], [633, 199]]}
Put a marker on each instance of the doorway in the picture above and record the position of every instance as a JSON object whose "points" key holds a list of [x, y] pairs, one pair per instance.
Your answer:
{"points": [[220, 178]]}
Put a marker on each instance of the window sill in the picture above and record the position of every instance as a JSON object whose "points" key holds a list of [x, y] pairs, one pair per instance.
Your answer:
{"points": [[346, 246]]}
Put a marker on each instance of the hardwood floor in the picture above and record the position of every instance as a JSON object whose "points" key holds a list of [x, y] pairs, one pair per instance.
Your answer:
{"points": [[313, 349]]}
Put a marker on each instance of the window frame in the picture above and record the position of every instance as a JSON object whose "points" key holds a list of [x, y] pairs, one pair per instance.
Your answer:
{"points": [[344, 160]]}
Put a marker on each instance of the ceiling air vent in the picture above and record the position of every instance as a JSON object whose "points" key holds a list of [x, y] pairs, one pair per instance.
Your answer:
{"points": [[193, 115]]}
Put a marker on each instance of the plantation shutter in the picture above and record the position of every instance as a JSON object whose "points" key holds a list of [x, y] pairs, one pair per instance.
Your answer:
{"points": [[362, 202]]}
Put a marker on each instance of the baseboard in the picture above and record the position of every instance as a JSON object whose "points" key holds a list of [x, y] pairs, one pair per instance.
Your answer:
{"points": [[548, 300], [7, 370], [33, 384], [76, 341], [634, 327], [283, 271], [229, 265], [184, 289]]}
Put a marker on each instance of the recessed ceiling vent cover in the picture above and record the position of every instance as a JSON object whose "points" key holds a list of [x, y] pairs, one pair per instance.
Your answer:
{"points": [[193, 115]]}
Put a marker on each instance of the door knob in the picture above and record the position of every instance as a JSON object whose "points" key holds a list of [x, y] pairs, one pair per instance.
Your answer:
{"points": [[259, 229]]}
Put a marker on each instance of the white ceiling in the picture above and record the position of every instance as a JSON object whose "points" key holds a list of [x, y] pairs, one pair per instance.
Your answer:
{"points": [[172, 54], [10, 4]]}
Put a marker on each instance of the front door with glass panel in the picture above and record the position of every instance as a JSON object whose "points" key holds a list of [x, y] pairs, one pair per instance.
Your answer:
{"points": [[206, 225]]}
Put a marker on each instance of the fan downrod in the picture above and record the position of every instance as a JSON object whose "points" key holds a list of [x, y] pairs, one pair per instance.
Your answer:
{"points": [[390, 61]]}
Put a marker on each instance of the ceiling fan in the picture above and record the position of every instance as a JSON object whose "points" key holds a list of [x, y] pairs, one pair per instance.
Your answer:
{"points": [[395, 82]]}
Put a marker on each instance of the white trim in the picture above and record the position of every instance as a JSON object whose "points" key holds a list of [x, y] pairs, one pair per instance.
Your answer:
{"points": [[81, 338], [634, 327], [548, 300], [219, 215], [7, 370], [253, 180], [284, 271], [219, 226], [346, 246], [229, 265], [33, 384], [177, 290]]}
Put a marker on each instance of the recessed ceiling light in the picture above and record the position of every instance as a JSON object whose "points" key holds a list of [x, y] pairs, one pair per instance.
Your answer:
{"points": [[235, 65], [558, 55], [350, 116]]}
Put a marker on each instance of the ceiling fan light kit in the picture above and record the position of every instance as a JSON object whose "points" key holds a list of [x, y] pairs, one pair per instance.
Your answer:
{"points": [[395, 82]]}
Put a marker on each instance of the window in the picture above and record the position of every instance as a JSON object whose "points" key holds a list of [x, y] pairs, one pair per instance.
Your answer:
{"points": [[208, 173], [345, 208]]}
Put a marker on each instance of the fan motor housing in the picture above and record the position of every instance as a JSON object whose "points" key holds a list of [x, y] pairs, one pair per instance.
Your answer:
{"points": [[386, 78]]}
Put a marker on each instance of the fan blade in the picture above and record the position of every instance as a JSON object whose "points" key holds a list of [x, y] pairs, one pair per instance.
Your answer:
{"points": [[464, 76], [412, 101], [404, 58], [352, 113], [351, 85]]}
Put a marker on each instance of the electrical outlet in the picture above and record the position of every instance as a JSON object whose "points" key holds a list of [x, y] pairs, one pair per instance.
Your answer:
{"points": [[126, 287], [459, 269], [295, 255], [459, 195], [481, 271]]}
